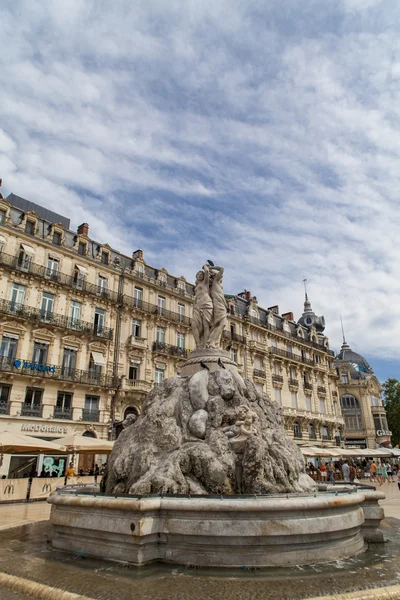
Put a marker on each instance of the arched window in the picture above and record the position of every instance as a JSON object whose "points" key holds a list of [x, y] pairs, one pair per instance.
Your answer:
{"points": [[90, 434], [311, 432], [131, 410], [297, 430], [349, 402], [352, 412]]}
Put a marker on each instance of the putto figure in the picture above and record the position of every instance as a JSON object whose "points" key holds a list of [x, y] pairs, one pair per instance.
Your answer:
{"points": [[210, 309]]}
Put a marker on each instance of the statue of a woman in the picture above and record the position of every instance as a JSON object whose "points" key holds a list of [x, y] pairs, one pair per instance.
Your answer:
{"points": [[220, 308], [202, 308]]}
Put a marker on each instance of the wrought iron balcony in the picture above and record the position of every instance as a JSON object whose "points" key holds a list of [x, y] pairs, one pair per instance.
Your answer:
{"points": [[334, 394], [234, 337], [48, 317], [291, 356], [321, 389], [90, 415], [154, 309], [307, 385], [31, 410], [171, 350], [48, 371], [293, 382], [258, 373], [138, 384], [277, 378], [62, 413], [25, 265], [4, 407]]}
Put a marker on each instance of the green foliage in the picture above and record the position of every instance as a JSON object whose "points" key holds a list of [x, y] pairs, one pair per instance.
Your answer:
{"points": [[391, 393]]}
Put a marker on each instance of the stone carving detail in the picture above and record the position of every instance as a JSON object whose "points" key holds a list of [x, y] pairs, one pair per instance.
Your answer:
{"points": [[209, 433], [210, 309]]}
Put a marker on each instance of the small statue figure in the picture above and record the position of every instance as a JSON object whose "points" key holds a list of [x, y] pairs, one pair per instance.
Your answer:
{"points": [[210, 309], [244, 426]]}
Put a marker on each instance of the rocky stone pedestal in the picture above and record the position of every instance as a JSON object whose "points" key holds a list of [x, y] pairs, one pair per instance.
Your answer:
{"points": [[207, 358]]}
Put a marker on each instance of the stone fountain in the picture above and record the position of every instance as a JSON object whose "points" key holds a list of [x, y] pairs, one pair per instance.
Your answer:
{"points": [[208, 476]]}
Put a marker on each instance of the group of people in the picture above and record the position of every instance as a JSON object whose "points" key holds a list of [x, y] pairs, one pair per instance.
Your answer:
{"points": [[376, 471], [95, 470]]}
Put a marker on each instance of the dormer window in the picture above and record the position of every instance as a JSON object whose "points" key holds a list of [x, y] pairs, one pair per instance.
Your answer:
{"points": [[140, 271], [82, 248], [104, 257], [30, 227], [345, 377], [3, 216], [309, 321], [181, 288], [57, 237], [162, 280]]}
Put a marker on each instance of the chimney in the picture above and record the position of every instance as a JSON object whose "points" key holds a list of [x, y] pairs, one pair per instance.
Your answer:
{"points": [[248, 295], [83, 229], [274, 309], [288, 315], [138, 254]]}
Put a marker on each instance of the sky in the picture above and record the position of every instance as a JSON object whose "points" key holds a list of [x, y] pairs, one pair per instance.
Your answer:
{"points": [[263, 135]]}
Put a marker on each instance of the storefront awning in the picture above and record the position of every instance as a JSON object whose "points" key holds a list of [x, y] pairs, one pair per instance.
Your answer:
{"points": [[98, 359], [28, 249], [82, 269]]}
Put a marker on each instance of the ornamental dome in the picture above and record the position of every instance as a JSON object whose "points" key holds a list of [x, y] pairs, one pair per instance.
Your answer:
{"points": [[359, 367], [309, 318]]}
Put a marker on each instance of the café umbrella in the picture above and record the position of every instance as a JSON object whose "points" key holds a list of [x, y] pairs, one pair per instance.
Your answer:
{"points": [[17, 443], [81, 444]]}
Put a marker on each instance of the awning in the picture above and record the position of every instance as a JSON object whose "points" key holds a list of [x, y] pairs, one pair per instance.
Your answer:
{"points": [[82, 269], [98, 359], [28, 249], [395, 451]]}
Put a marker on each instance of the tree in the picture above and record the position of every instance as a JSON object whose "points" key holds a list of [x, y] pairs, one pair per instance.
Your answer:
{"points": [[391, 393]]}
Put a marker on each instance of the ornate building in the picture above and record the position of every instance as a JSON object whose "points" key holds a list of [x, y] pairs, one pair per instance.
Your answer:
{"points": [[361, 401], [87, 331]]}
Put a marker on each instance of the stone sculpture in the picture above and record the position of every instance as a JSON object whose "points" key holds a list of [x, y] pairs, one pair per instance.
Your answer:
{"points": [[210, 309], [210, 433]]}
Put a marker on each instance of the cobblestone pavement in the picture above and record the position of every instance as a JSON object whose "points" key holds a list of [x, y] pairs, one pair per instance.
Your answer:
{"points": [[25, 551]]}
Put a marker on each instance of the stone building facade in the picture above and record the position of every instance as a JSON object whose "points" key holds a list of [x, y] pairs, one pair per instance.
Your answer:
{"points": [[86, 332], [361, 401]]}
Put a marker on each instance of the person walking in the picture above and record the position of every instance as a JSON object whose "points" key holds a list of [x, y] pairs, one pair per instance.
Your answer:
{"points": [[379, 473], [385, 477], [70, 472], [331, 471], [96, 473], [323, 472], [345, 471], [373, 471]]}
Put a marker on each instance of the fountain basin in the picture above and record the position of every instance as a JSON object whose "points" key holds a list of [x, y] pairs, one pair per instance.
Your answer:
{"points": [[251, 531]]}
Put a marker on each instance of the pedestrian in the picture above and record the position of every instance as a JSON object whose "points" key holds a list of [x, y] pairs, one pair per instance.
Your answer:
{"points": [[352, 472], [70, 472], [379, 473], [390, 472], [345, 471], [96, 473], [323, 472], [385, 477], [373, 471], [398, 479], [331, 471]]}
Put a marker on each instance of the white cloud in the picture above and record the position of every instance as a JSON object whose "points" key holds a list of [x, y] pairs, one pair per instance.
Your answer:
{"points": [[266, 136]]}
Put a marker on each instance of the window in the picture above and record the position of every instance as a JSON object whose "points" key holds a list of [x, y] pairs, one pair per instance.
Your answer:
{"points": [[311, 432], [345, 377], [308, 403], [294, 399], [32, 406], [335, 408], [162, 280], [158, 376], [273, 343], [69, 361], [140, 271], [74, 316], [181, 288], [276, 368], [47, 305], [322, 407], [104, 258], [3, 216], [134, 371], [353, 422], [289, 348], [63, 408], [160, 334], [5, 392], [57, 238], [136, 328], [161, 305], [233, 354], [8, 348], [181, 312], [30, 227], [52, 268], [324, 433], [317, 359], [40, 351], [296, 430], [278, 395], [82, 248], [138, 297], [79, 277], [99, 320], [17, 296], [375, 401], [180, 340], [293, 374], [94, 368], [102, 285], [91, 411], [24, 260], [349, 402], [303, 355]]}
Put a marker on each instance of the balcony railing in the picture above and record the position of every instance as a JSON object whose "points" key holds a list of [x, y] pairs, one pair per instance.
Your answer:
{"points": [[293, 382], [277, 378], [234, 337], [321, 389], [22, 366], [47, 317], [171, 350], [334, 394], [62, 413], [24, 265], [31, 410], [258, 373], [307, 385], [4, 407], [139, 384], [90, 415], [154, 309], [291, 356]]}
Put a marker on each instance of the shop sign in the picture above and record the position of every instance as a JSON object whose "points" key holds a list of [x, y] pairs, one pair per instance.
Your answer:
{"points": [[355, 443], [383, 433], [44, 428], [26, 364]]}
